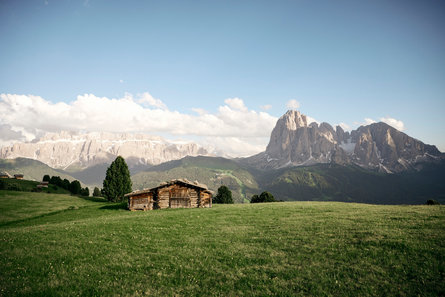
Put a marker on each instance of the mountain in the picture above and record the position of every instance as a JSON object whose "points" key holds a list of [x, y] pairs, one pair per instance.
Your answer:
{"points": [[352, 183], [74, 151], [378, 146]]}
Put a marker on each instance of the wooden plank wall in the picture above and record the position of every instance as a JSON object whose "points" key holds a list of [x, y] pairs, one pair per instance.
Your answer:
{"points": [[141, 202], [164, 197], [205, 199]]}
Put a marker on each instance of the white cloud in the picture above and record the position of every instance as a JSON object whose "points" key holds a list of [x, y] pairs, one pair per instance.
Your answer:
{"points": [[293, 104], [121, 81], [234, 125], [344, 126], [369, 121], [266, 107], [311, 120], [148, 99], [200, 111], [236, 103], [394, 123]]}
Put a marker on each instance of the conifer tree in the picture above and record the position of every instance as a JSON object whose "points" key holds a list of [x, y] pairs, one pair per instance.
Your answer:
{"points": [[224, 196], [117, 181]]}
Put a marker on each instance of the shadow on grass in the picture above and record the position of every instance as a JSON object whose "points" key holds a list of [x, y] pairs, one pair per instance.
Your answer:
{"points": [[93, 199], [115, 206]]}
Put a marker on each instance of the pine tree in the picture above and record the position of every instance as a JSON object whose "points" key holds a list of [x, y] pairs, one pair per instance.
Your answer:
{"points": [[117, 180], [96, 192], [224, 196], [75, 187]]}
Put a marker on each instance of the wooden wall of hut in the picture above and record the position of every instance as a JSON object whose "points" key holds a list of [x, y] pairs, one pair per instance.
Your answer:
{"points": [[141, 202], [205, 199]]}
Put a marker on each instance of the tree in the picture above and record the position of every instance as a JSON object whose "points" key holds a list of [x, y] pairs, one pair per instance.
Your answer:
{"points": [[56, 180], [255, 199], [264, 197], [224, 196], [117, 181], [66, 184], [85, 192], [75, 187], [267, 197], [46, 178], [96, 192]]}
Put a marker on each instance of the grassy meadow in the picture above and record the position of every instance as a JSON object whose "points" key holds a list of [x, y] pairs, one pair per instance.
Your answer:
{"points": [[60, 245]]}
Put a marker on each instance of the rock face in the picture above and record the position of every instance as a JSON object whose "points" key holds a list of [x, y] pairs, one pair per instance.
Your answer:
{"points": [[66, 149], [377, 146]]}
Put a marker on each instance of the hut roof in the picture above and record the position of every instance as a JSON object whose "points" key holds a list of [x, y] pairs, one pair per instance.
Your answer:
{"points": [[3, 173], [182, 181]]}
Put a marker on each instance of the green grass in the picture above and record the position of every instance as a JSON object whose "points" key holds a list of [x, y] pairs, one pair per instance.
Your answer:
{"points": [[275, 249]]}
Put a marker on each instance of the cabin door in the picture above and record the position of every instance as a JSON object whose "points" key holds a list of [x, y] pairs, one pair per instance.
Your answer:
{"points": [[180, 198]]}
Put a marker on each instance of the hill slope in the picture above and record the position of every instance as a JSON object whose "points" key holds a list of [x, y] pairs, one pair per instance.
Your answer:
{"points": [[32, 169], [72, 247], [332, 182]]}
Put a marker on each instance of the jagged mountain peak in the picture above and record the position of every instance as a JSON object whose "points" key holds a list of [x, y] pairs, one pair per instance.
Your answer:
{"points": [[292, 120], [375, 146]]}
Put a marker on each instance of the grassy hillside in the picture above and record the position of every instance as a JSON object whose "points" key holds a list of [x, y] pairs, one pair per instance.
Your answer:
{"points": [[330, 182], [64, 246], [32, 169], [213, 172]]}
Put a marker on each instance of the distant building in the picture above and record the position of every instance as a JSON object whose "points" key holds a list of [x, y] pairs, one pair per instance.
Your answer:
{"points": [[177, 193], [4, 174], [18, 176], [43, 184]]}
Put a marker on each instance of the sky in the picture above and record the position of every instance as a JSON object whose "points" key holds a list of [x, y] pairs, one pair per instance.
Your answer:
{"points": [[220, 73]]}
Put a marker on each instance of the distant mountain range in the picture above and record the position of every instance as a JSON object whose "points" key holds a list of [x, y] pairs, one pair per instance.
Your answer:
{"points": [[373, 164], [74, 151]]}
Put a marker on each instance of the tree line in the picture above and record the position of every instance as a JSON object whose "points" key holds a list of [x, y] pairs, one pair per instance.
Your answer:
{"points": [[74, 187]]}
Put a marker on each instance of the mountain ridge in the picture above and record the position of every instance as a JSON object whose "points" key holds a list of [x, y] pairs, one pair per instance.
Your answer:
{"points": [[377, 146], [69, 150]]}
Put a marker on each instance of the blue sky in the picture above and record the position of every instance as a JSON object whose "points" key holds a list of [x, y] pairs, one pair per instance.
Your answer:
{"points": [[343, 61]]}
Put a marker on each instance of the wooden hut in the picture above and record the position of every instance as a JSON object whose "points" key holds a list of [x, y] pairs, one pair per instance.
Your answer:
{"points": [[4, 174], [177, 193], [18, 176]]}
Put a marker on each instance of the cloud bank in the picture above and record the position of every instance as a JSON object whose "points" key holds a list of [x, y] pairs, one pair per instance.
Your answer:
{"points": [[233, 129]]}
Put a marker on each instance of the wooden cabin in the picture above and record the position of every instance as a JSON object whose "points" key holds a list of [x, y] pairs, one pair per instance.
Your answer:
{"points": [[4, 174], [43, 184], [177, 193], [18, 176]]}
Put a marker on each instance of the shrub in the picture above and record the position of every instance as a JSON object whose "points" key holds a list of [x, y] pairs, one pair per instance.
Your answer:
{"points": [[432, 202]]}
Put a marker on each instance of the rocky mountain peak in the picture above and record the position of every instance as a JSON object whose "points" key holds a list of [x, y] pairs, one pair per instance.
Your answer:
{"points": [[376, 146], [293, 120]]}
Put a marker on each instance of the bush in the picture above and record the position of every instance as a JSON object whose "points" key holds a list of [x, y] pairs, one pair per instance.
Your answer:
{"points": [[432, 202]]}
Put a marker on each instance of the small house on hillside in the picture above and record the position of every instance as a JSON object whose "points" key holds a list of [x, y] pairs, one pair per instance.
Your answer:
{"points": [[177, 193], [4, 174], [18, 176], [43, 184]]}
